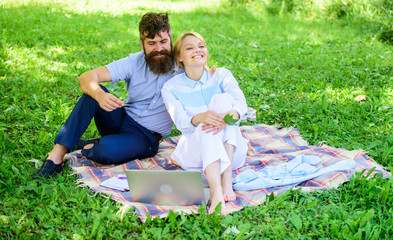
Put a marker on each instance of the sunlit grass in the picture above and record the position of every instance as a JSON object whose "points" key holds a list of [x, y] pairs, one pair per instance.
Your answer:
{"points": [[119, 7], [45, 68]]}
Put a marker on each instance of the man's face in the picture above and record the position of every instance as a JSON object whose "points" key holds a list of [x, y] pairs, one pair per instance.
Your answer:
{"points": [[158, 53]]}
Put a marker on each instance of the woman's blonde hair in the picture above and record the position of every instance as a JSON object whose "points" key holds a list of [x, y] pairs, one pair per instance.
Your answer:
{"points": [[178, 44]]}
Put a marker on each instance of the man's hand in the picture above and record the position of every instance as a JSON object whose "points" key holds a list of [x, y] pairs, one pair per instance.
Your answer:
{"points": [[90, 85], [108, 101]]}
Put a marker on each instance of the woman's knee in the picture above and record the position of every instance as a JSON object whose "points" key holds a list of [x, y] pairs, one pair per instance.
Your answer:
{"points": [[221, 102]]}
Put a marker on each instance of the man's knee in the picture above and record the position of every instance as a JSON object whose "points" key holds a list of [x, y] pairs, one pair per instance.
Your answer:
{"points": [[106, 155], [108, 152]]}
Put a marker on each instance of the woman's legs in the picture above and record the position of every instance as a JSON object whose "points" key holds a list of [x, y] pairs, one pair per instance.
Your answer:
{"points": [[226, 176], [221, 189], [223, 103], [213, 177], [224, 192]]}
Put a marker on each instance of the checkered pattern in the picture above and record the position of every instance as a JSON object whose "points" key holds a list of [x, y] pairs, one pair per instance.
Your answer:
{"points": [[268, 146]]}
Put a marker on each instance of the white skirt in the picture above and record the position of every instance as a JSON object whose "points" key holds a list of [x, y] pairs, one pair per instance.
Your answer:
{"points": [[197, 150]]}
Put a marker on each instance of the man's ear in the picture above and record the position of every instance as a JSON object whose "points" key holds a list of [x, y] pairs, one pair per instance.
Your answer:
{"points": [[141, 43]]}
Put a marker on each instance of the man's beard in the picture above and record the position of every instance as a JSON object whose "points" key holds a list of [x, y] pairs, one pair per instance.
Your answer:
{"points": [[160, 65]]}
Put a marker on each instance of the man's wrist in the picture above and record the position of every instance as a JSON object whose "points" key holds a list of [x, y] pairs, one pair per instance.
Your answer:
{"points": [[97, 93]]}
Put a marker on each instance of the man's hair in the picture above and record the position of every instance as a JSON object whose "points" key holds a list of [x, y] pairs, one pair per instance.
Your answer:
{"points": [[152, 24]]}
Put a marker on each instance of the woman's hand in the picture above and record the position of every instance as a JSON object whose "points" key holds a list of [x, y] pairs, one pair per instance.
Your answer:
{"points": [[214, 129], [212, 121], [209, 117], [233, 113], [208, 128]]}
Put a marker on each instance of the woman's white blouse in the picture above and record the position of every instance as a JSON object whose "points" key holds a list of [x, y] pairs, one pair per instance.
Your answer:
{"points": [[184, 98]]}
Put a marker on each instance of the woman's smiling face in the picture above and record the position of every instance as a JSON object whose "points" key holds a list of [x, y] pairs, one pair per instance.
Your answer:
{"points": [[193, 52]]}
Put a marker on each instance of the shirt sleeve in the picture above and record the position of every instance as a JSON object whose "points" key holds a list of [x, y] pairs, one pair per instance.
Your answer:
{"points": [[231, 86], [121, 69], [175, 109]]}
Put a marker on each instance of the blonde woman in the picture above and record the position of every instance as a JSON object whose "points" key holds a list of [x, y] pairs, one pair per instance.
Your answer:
{"points": [[197, 101]]}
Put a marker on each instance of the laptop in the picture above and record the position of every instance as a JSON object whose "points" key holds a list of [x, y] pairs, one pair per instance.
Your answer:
{"points": [[166, 188]]}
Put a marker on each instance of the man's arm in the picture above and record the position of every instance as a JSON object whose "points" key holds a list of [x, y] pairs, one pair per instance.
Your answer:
{"points": [[89, 82]]}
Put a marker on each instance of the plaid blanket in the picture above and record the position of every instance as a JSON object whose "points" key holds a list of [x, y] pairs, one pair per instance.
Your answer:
{"points": [[268, 146]]}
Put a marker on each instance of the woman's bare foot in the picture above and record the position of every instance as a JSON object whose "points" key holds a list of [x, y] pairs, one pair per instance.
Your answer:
{"points": [[215, 199], [227, 189], [226, 176]]}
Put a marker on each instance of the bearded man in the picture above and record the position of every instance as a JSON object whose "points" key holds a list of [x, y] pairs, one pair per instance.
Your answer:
{"points": [[131, 129]]}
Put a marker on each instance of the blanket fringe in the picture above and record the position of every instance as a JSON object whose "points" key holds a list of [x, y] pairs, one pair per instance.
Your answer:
{"points": [[104, 195], [80, 183], [72, 173], [321, 143], [123, 210]]}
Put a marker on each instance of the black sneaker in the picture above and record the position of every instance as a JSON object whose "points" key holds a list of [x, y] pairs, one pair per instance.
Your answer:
{"points": [[48, 168], [81, 143]]}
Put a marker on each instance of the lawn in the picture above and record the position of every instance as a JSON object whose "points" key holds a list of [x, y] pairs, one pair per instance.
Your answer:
{"points": [[299, 64]]}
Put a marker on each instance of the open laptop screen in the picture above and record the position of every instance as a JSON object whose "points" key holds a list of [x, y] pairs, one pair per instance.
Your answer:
{"points": [[173, 188]]}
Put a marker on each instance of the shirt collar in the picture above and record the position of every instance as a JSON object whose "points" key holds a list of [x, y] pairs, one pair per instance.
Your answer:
{"points": [[202, 81]]}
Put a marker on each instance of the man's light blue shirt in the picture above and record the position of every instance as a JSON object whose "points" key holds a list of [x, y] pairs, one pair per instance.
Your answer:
{"points": [[144, 102]]}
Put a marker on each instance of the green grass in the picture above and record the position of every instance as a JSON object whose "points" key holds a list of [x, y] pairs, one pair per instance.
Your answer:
{"points": [[298, 66]]}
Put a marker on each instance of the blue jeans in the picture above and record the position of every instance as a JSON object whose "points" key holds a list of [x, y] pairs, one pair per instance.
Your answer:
{"points": [[122, 139]]}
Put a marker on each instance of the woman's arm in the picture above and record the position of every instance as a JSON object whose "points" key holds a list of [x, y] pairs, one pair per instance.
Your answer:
{"points": [[231, 86], [175, 109]]}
